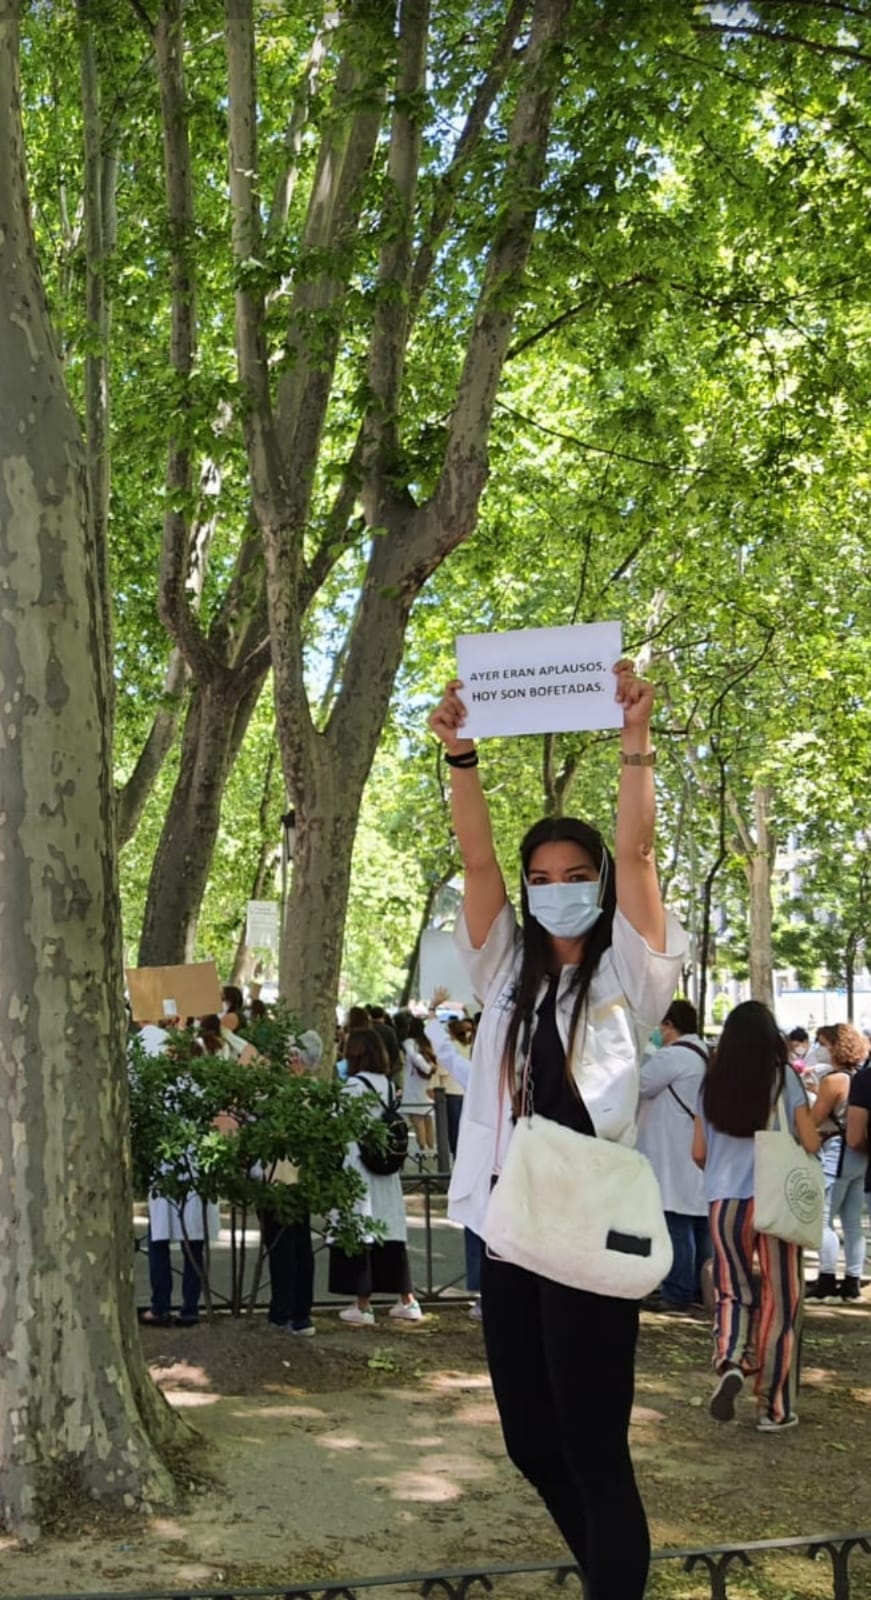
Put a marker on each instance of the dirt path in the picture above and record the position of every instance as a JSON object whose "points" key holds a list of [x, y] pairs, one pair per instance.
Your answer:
{"points": [[367, 1451]]}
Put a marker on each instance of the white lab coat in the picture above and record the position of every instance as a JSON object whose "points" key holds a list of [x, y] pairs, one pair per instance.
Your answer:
{"points": [[630, 992], [665, 1129]]}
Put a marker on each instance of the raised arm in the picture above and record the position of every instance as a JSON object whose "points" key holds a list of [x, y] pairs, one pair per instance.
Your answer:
{"points": [[484, 886], [638, 895]]}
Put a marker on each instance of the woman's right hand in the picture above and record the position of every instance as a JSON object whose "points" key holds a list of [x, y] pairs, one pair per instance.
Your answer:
{"points": [[447, 719]]}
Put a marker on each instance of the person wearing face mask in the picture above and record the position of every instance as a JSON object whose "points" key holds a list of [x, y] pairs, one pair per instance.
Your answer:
{"points": [[570, 993]]}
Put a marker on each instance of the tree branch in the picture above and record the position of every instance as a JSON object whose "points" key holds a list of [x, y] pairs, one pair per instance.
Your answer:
{"points": [[339, 532], [390, 327], [475, 125], [464, 472], [330, 237], [142, 16], [750, 31], [285, 183], [582, 444], [132, 797], [173, 604]]}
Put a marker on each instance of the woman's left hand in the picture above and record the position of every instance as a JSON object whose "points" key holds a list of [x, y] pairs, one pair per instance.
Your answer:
{"points": [[635, 695]]}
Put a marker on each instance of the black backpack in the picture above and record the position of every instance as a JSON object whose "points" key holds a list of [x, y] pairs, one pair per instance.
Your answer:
{"points": [[387, 1160]]}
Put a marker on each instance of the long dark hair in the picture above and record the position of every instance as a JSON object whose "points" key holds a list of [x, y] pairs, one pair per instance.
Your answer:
{"points": [[408, 1026], [537, 950], [364, 1052], [747, 1071]]}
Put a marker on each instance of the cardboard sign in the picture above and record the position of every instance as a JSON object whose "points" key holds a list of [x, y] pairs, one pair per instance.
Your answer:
{"points": [[540, 680], [261, 925], [158, 992]]}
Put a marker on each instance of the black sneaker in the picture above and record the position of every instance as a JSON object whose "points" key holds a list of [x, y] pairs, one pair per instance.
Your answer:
{"points": [[825, 1288], [850, 1288], [722, 1406]]}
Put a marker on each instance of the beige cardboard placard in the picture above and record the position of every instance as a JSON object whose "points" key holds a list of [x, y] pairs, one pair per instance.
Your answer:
{"points": [[159, 992]]}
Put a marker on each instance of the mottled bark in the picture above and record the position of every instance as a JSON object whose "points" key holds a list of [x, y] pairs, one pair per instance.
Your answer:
{"points": [[75, 1400]]}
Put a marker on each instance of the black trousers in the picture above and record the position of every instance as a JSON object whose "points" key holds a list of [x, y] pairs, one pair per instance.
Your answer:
{"points": [[291, 1269], [563, 1369]]}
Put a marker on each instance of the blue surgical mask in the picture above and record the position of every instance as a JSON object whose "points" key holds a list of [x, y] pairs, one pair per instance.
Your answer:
{"points": [[656, 1038], [566, 910]]}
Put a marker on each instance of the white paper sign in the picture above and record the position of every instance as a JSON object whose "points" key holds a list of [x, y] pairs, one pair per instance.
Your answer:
{"points": [[261, 926], [540, 680], [441, 967]]}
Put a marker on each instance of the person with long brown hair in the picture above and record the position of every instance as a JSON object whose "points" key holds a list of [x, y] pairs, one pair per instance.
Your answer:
{"points": [[755, 1330], [570, 993], [843, 1167]]}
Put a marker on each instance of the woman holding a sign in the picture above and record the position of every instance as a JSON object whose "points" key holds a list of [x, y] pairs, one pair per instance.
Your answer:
{"points": [[570, 992]]}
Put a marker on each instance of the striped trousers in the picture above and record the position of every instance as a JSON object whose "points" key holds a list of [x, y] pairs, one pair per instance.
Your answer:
{"points": [[757, 1323]]}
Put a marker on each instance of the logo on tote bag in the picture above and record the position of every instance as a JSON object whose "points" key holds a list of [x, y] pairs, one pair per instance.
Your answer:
{"points": [[802, 1196]]}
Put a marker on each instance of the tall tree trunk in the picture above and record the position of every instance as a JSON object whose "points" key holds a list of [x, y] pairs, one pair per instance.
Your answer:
{"points": [[78, 1405], [760, 870], [325, 771], [214, 729], [264, 870], [850, 973]]}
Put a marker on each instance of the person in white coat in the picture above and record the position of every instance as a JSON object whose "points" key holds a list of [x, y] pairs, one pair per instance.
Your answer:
{"points": [[570, 992], [671, 1079], [383, 1265], [168, 1224]]}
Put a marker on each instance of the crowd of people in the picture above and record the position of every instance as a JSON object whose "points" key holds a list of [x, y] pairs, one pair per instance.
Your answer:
{"points": [[579, 1027]]}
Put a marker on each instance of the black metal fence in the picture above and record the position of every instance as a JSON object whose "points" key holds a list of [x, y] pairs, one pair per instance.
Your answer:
{"points": [[249, 1283], [713, 1565]]}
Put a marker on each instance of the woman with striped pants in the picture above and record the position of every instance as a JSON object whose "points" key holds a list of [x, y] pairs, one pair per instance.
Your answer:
{"points": [[756, 1321]]}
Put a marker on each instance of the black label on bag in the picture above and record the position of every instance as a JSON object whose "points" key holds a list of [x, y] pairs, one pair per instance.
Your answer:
{"points": [[628, 1244]]}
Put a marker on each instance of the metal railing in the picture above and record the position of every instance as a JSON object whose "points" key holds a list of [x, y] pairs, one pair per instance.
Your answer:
{"points": [[456, 1583], [428, 1185]]}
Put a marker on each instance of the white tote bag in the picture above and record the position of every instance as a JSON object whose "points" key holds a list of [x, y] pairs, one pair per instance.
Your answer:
{"points": [[788, 1186], [579, 1210]]}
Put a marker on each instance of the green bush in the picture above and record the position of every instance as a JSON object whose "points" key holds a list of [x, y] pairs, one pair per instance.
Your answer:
{"points": [[278, 1117]]}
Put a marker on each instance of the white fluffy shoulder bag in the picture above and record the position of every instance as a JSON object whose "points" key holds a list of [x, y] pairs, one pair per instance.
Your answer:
{"points": [[580, 1210]]}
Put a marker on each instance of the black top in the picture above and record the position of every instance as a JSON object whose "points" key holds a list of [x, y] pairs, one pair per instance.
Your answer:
{"points": [[552, 1094], [860, 1095]]}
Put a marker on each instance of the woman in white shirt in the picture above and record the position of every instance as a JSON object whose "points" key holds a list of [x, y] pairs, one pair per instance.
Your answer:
{"points": [[574, 988], [382, 1266], [418, 1082]]}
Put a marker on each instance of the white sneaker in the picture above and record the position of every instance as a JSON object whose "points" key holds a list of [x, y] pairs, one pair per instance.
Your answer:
{"points": [[766, 1424], [361, 1319], [475, 1312], [406, 1313]]}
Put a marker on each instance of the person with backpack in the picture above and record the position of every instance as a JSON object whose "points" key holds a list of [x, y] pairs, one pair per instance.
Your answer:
{"points": [[670, 1082], [383, 1266]]}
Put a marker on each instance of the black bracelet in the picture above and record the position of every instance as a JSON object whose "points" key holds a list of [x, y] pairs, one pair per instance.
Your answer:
{"points": [[467, 758]]}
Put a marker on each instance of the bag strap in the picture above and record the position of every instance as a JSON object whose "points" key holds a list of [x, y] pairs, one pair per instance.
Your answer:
{"points": [[682, 1103], [697, 1049], [778, 1110], [388, 1103]]}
